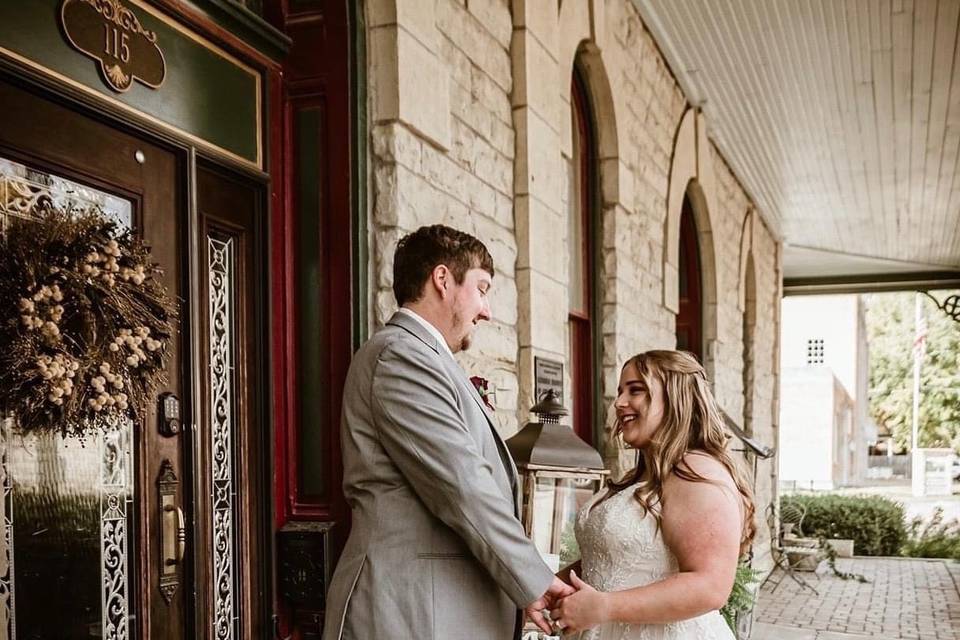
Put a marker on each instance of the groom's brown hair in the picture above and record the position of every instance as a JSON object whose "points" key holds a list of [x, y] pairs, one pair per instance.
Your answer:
{"points": [[420, 252]]}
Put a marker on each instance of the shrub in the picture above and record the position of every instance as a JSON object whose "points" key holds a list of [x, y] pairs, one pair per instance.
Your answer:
{"points": [[935, 539], [874, 523]]}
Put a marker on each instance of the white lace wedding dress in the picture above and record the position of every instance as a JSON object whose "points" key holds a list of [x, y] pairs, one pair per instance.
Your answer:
{"points": [[621, 549]]}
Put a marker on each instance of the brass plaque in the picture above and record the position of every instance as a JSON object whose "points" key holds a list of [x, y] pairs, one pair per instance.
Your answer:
{"points": [[111, 34]]}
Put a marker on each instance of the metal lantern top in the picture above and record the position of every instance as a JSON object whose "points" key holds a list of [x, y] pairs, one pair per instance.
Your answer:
{"points": [[549, 445], [549, 409]]}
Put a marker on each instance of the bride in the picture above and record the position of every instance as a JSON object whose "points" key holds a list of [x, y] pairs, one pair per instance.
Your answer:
{"points": [[659, 550]]}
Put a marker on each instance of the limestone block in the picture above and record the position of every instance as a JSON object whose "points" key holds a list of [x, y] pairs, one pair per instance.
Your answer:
{"points": [[393, 142], [541, 237], [421, 202], [490, 95], [411, 84], [465, 137], [499, 241], [616, 182], [574, 28], [503, 302], [525, 384], [455, 214], [503, 211], [705, 170], [598, 23], [441, 171], [474, 116], [543, 311], [476, 42], [492, 168], [480, 196], [503, 139], [540, 18], [548, 315], [385, 307], [385, 241], [418, 17], [495, 341], [495, 16], [385, 195], [536, 81], [457, 62], [385, 93], [381, 13], [538, 166], [671, 288]]}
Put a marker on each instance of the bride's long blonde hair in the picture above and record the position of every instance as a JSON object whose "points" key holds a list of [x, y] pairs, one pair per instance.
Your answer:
{"points": [[691, 422]]}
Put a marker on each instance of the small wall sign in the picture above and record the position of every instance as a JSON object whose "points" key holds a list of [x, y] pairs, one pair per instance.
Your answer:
{"points": [[547, 374], [111, 34]]}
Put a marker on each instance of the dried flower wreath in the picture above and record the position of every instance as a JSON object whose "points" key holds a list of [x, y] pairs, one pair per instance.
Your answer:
{"points": [[86, 323]]}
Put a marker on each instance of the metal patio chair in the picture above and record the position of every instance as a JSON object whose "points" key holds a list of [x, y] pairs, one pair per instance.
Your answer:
{"points": [[788, 525]]}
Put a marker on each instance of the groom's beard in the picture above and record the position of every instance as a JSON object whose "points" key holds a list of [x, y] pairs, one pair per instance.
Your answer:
{"points": [[467, 338]]}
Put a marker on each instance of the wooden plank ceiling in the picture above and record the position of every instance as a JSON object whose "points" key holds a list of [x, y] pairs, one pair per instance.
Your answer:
{"points": [[840, 117]]}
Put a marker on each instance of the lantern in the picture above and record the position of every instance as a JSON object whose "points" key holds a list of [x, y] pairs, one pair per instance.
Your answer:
{"points": [[560, 473]]}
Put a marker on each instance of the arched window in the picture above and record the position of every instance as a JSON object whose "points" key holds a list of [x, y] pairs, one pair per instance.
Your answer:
{"points": [[582, 221], [690, 315]]}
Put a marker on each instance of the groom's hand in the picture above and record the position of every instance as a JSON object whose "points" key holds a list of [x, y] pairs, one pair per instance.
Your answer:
{"points": [[558, 589]]}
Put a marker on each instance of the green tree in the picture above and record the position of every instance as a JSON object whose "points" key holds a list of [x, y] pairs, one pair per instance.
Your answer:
{"points": [[890, 332]]}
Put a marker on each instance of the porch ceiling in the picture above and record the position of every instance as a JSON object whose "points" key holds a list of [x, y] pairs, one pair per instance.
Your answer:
{"points": [[840, 117]]}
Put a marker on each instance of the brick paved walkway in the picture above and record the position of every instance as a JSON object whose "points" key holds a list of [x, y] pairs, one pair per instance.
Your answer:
{"points": [[904, 598]]}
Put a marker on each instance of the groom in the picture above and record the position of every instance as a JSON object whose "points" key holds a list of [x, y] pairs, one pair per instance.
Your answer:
{"points": [[435, 549]]}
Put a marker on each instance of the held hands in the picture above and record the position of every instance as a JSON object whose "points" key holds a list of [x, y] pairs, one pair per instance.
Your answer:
{"points": [[558, 589], [584, 608]]}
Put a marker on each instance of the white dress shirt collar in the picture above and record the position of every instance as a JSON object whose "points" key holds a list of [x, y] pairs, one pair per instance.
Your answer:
{"points": [[429, 327]]}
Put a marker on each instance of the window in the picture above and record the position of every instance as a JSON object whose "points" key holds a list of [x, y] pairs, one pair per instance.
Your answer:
{"points": [[689, 326], [581, 206]]}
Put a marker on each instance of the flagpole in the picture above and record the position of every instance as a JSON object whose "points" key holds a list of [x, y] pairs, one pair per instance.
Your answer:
{"points": [[916, 471]]}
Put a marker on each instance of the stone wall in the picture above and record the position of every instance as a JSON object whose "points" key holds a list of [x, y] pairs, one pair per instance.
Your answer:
{"points": [[470, 125]]}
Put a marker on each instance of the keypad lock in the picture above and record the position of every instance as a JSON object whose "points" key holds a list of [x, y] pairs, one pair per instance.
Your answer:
{"points": [[170, 421]]}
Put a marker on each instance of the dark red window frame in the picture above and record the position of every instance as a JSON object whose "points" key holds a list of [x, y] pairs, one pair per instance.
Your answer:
{"points": [[582, 356], [689, 327], [311, 139]]}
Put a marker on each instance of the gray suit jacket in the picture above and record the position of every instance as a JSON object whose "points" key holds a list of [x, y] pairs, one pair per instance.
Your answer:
{"points": [[436, 549]]}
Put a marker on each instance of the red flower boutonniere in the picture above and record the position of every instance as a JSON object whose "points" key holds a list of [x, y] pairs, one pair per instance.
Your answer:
{"points": [[483, 388]]}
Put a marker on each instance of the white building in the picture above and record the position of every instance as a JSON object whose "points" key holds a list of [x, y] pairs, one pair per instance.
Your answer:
{"points": [[824, 421]]}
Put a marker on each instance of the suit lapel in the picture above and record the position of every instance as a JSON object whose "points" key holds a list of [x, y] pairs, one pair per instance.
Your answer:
{"points": [[409, 324], [505, 456]]}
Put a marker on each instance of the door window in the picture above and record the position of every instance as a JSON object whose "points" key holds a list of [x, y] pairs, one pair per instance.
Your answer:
{"points": [[65, 564]]}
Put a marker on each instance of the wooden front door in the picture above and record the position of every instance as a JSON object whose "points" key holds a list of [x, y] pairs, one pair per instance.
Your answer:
{"points": [[141, 531]]}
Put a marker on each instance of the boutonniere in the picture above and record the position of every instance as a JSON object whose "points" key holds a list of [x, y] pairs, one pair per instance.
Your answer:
{"points": [[482, 386]]}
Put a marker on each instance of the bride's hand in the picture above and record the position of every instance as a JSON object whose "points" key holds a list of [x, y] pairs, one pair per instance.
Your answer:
{"points": [[584, 609]]}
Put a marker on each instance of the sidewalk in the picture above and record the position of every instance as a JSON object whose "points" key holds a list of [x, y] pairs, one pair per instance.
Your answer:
{"points": [[905, 598]]}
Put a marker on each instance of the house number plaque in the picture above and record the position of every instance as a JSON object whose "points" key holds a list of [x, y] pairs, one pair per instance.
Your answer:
{"points": [[110, 33]]}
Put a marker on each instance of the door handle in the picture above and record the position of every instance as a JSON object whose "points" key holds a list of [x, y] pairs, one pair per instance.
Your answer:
{"points": [[173, 531]]}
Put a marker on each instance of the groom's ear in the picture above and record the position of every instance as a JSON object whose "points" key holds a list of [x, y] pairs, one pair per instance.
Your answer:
{"points": [[440, 279]]}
